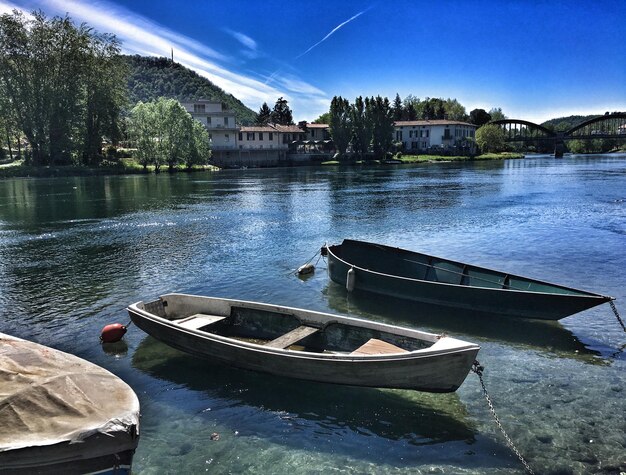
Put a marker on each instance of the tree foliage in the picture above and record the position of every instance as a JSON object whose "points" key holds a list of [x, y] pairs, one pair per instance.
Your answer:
{"points": [[281, 114], [381, 118], [55, 75], [340, 123], [479, 117], [323, 119], [361, 126], [264, 115], [490, 138], [164, 133]]}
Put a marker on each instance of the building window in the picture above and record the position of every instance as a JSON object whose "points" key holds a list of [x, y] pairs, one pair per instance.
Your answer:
{"points": [[260, 135], [225, 120], [226, 138], [399, 135], [199, 108], [250, 136], [271, 135], [240, 136], [208, 120], [413, 145], [427, 133]]}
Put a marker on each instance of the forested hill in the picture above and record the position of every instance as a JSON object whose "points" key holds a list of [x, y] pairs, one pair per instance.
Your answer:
{"points": [[563, 124], [150, 78]]}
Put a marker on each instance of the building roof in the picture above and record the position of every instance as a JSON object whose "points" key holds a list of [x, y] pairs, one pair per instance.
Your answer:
{"points": [[317, 126], [257, 128], [411, 123], [288, 128]]}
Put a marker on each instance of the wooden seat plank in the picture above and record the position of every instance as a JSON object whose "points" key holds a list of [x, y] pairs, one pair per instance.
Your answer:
{"points": [[199, 320], [377, 347], [295, 335]]}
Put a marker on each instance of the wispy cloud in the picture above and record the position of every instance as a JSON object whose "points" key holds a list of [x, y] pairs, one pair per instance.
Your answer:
{"points": [[141, 36], [337, 28]]}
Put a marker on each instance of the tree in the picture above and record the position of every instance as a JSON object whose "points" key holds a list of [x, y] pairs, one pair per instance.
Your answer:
{"points": [[323, 119], [361, 126], [282, 113], [381, 117], [479, 117], [340, 123], [264, 115], [165, 133], [497, 114], [454, 110], [397, 108], [490, 138], [58, 80]]}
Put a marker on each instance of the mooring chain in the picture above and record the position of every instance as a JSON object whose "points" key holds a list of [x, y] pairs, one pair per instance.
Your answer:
{"points": [[619, 319], [478, 369]]}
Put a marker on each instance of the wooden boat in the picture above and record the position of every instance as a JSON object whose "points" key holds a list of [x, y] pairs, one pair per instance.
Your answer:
{"points": [[410, 275], [304, 344], [62, 414]]}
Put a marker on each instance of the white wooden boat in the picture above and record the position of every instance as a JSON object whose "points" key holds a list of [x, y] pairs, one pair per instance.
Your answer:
{"points": [[304, 344], [62, 414]]}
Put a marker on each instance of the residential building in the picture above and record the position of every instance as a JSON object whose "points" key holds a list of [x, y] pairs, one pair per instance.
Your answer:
{"points": [[219, 122], [422, 135]]}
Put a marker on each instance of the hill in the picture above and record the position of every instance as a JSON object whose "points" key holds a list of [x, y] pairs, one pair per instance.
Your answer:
{"points": [[150, 78], [563, 124]]}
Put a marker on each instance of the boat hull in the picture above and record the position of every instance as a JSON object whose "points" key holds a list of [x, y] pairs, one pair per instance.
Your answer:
{"points": [[441, 370], [554, 303]]}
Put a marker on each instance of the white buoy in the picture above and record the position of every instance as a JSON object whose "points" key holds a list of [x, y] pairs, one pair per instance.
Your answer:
{"points": [[306, 269], [350, 278]]}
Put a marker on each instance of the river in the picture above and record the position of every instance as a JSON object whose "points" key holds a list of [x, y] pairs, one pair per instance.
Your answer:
{"points": [[75, 251]]}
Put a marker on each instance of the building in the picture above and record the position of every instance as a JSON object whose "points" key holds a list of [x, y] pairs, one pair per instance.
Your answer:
{"points": [[219, 122], [434, 135]]}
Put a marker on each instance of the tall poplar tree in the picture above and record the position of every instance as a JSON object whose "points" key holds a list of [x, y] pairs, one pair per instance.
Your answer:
{"points": [[340, 123], [361, 127]]}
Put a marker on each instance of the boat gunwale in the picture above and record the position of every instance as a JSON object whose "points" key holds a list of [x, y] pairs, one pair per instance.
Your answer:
{"points": [[586, 293], [460, 345]]}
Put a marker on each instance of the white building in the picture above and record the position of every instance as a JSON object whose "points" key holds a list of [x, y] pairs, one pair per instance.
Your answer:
{"points": [[219, 122], [418, 135]]}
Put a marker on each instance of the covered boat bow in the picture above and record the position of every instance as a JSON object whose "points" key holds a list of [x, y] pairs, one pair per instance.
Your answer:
{"points": [[307, 345], [411, 275]]}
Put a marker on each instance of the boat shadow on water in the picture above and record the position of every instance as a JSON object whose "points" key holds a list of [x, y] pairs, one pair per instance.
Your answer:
{"points": [[418, 419], [545, 336]]}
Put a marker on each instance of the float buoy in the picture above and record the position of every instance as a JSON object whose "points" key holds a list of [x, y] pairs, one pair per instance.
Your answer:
{"points": [[306, 269], [112, 333], [350, 278]]}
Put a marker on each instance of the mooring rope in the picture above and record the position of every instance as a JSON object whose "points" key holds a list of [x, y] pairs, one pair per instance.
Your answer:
{"points": [[478, 369], [619, 319]]}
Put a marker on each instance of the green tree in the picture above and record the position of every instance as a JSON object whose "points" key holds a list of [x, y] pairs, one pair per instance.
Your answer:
{"points": [[264, 115], [497, 114], [397, 108], [340, 123], [51, 72], [454, 110], [165, 133], [323, 119], [282, 113], [479, 117], [381, 118], [361, 126], [490, 138]]}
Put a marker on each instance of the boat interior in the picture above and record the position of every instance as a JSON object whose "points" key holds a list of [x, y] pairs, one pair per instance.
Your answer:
{"points": [[413, 265], [279, 330]]}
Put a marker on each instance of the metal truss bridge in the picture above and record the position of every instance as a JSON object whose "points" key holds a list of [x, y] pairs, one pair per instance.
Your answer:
{"points": [[609, 126]]}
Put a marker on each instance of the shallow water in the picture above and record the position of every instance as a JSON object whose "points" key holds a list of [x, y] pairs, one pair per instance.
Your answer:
{"points": [[75, 251]]}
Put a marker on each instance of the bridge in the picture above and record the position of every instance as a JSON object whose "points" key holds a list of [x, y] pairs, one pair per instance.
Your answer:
{"points": [[609, 126]]}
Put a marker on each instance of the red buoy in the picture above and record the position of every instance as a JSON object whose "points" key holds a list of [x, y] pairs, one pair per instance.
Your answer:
{"points": [[112, 333]]}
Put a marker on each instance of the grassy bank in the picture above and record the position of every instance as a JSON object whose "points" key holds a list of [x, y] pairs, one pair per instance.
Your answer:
{"points": [[123, 166], [439, 158]]}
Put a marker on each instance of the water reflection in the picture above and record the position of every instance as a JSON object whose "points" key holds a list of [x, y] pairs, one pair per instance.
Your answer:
{"points": [[415, 418], [545, 336]]}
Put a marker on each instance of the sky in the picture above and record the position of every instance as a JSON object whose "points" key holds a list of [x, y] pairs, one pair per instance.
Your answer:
{"points": [[536, 60]]}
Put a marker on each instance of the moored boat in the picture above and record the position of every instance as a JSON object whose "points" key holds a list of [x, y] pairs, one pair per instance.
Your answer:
{"points": [[308, 345], [421, 277], [62, 414]]}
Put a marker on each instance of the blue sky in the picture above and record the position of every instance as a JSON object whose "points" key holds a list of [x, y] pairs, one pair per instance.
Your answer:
{"points": [[534, 59]]}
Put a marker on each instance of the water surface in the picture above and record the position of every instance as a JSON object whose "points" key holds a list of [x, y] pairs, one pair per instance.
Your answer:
{"points": [[75, 251]]}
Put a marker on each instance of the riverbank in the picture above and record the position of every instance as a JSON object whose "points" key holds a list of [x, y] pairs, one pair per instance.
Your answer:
{"points": [[127, 166], [122, 167]]}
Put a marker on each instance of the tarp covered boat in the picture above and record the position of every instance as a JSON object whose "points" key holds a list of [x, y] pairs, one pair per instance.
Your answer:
{"points": [[304, 344], [421, 277], [62, 414]]}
